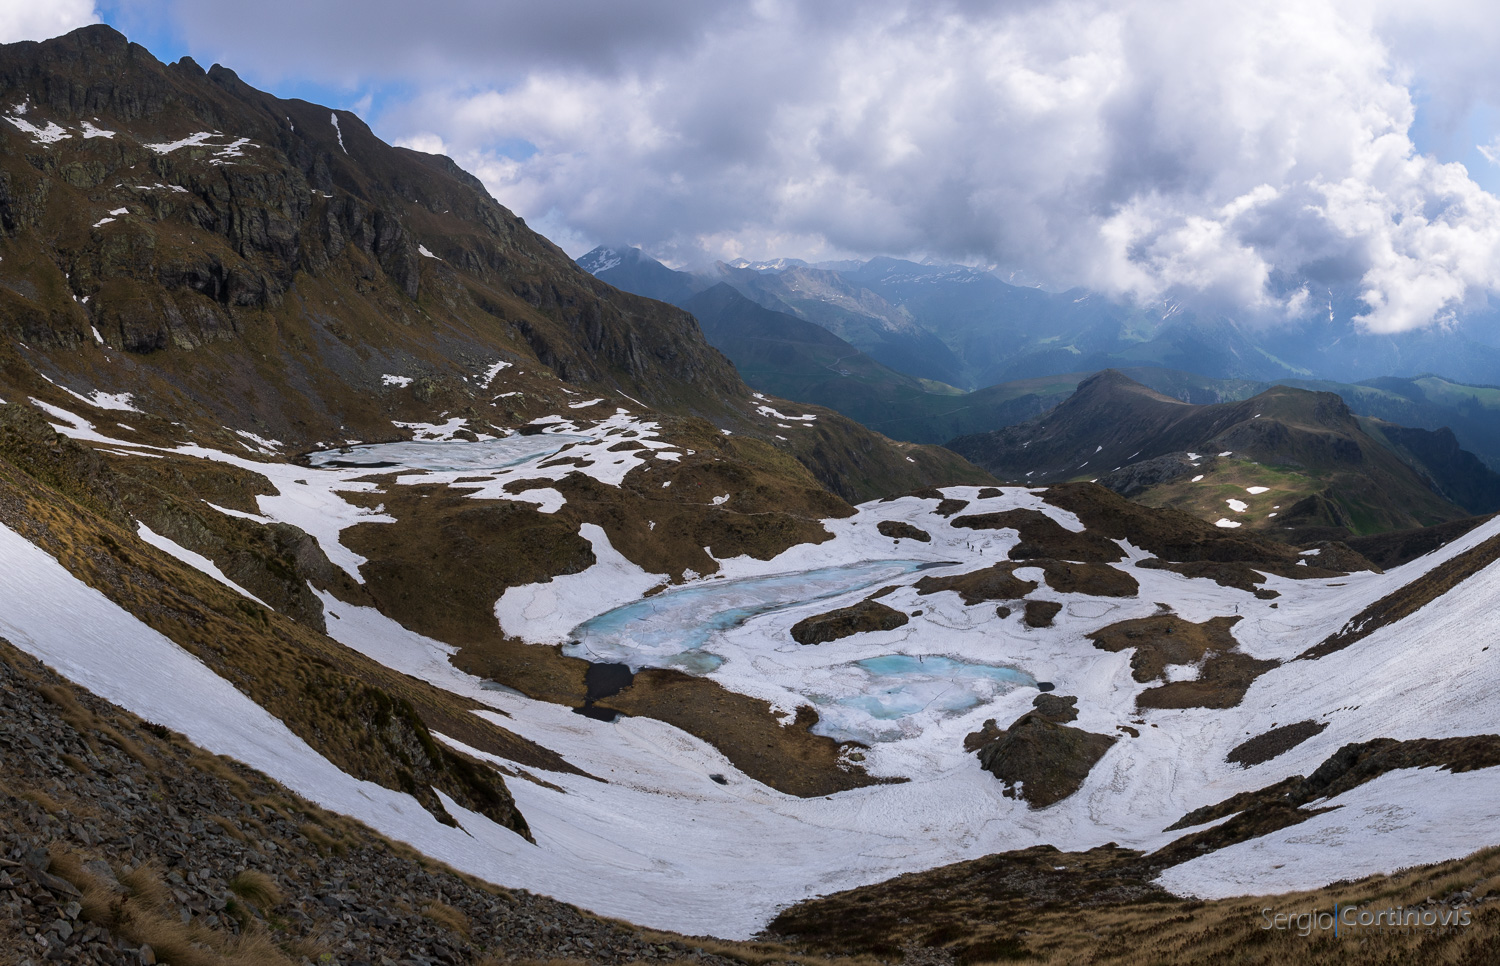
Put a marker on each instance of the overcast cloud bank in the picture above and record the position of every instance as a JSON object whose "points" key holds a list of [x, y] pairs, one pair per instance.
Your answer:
{"points": [[1248, 157]]}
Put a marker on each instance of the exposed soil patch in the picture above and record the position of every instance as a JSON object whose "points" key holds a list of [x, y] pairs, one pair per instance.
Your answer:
{"points": [[788, 758], [922, 493], [1221, 683], [1055, 707], [445, 561], [867, 615], [746, 730], [1102, 906], [1163, 639], [982, 911], [997, 582], [1277, 806], [898, 529], [1165, 532], [1094, 579], [1409, 599], [1237, 575], [1277, 741], [989, 492], [947, 507], [1039, 759], [1042, 536], [1041, 613], [1337, 557], [374, 722]]}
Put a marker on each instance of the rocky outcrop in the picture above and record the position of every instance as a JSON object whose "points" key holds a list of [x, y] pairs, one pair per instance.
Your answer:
{"points": [[867, 615], [1040, 759], [1041, 613], [900, 529]]}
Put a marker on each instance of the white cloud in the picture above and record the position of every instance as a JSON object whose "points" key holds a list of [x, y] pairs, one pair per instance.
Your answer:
{"points": [[1147, 148], [1491, 151], [43, 19]]}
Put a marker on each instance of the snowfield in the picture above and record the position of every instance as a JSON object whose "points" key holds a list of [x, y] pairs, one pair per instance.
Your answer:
{"points": [[660, 844]]}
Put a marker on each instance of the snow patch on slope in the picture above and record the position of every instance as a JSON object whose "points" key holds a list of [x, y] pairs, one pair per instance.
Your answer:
{"points": [[195, 560]]}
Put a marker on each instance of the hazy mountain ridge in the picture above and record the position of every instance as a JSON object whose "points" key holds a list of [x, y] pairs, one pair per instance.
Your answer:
{"points": [[1330, 474], [989, 331]]}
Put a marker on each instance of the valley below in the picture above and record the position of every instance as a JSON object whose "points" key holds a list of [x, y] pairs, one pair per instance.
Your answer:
{"points": [[663, 827]]}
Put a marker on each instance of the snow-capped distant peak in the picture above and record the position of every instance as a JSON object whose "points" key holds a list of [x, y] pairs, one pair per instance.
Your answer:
{"points": [[600, 260], [770, 265]]}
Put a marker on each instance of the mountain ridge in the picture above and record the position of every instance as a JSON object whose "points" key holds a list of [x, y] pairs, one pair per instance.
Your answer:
{"points": [[1330, 474]]}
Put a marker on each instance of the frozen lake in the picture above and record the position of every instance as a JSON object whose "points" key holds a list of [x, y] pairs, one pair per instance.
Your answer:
{"points": [[671, 628], [866, 699], [446, 456]]}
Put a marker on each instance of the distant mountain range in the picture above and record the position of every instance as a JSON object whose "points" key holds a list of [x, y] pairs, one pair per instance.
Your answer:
{"points": [[888, 342], [969, 328], [1283, 460]]}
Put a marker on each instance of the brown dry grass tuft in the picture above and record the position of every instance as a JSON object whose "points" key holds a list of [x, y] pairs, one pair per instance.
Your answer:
{"points": [[320, 837], [42, 800], [999, 910], [145, 914], [448, 917], [256, 888]]}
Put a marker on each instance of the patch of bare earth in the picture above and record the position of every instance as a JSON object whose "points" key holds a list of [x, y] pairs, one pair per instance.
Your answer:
{"points": [[1225, 673]]}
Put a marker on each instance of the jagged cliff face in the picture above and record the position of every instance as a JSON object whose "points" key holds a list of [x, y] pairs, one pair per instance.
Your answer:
{"points": [[231, 195], [237, 260]]}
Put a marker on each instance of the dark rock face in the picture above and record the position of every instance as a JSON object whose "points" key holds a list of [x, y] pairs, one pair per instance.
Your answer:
{"points": [[899, 529], [1039, 759], [867, 615], [1041, 613], [992, 583], [211, 236], [1277, 741], [246, 261]]}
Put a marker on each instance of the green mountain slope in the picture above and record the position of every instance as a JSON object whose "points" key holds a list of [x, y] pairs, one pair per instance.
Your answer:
{"points": [[1285, 460]]}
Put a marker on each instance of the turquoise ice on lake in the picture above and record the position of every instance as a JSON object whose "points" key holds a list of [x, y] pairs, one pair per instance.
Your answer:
{"points": [[670, 628], [896, 686], [676, 628]]}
